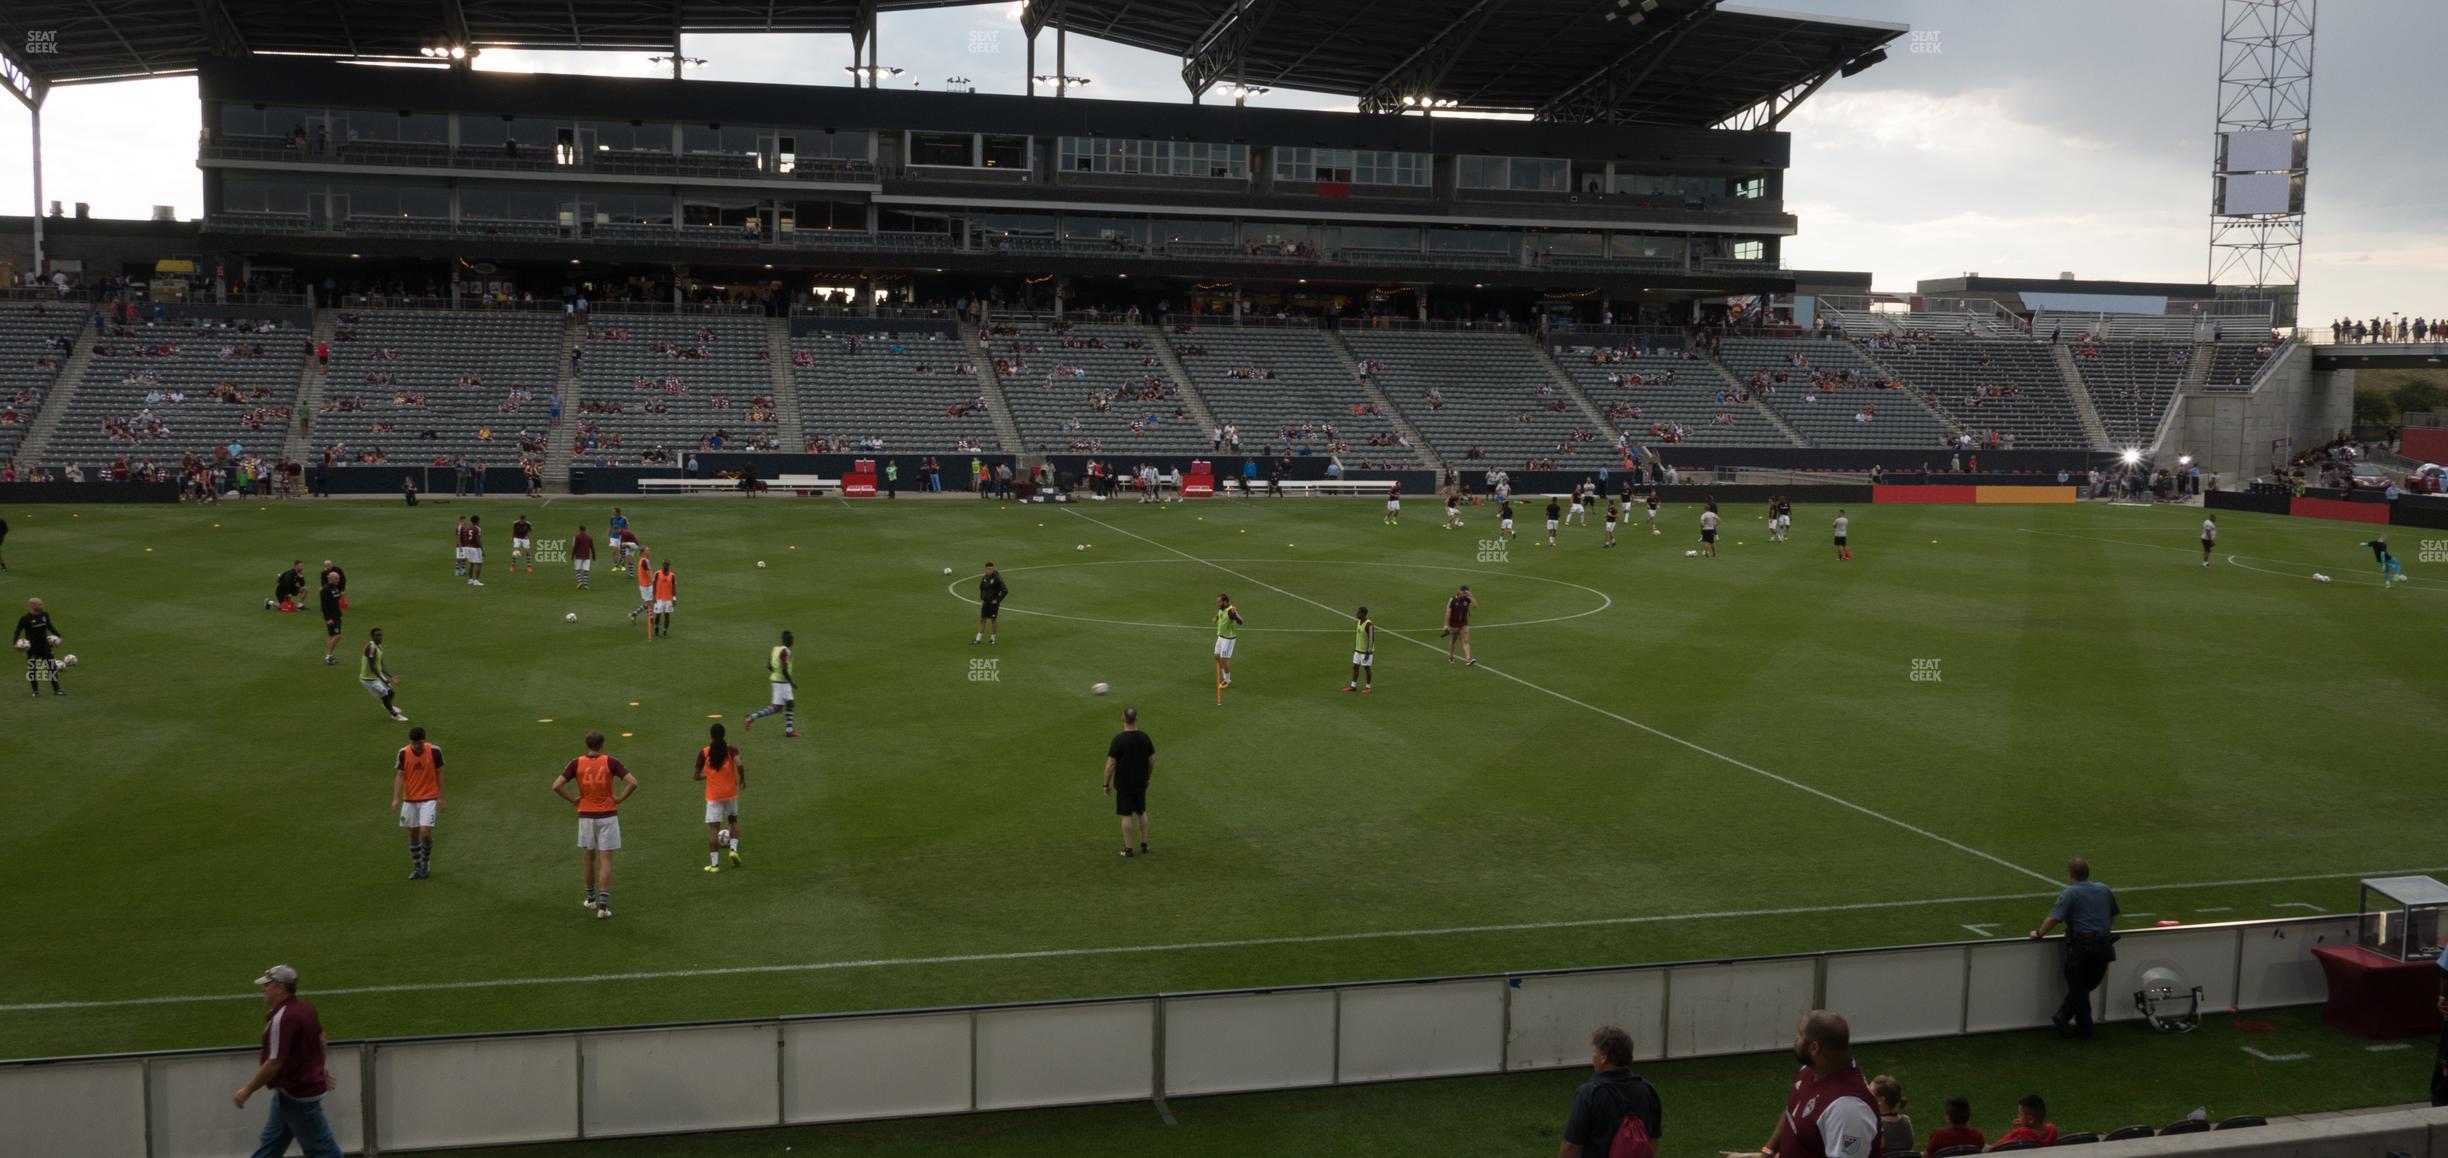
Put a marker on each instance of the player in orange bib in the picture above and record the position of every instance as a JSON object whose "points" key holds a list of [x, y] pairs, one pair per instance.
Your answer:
{"points": [[718, 764], [598, 817], [416, 795], [665, 587], [645, 581]]}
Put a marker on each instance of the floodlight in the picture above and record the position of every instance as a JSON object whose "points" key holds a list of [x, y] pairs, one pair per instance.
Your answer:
{"points": [[2167, 1000], [2131, 457], [2184, 460]]}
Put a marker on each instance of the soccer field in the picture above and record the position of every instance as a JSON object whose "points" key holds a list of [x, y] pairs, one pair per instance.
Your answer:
{"points": [[1657, 758]]}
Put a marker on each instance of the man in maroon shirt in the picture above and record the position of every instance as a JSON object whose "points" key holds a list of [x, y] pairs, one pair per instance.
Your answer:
{"points": [[582, 557], [1829, 1114], [292, 1057]]}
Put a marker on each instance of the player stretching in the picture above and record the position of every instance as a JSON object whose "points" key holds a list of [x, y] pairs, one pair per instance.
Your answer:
{"points": [[778, 674], [1552, 511], [582, 557], [1579, 514], [1708, 531], [1364, 652], [1611, 515], [376, 675], [598, 818], [416, 795], [666, 588], [991, 593], [1843, 525], [521, 544], [645, 582], [1457, 624], [2209, 538], [1453, 511], [1653, 512], [1393, 515], [1504, 519], [2392, 572], [622, 541], [718, 764], [36, 637], [1228, 628], [471, 549]]}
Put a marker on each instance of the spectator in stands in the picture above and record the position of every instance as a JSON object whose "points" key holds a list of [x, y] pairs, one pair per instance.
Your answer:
{"points": [[2030, 1124], [1840, 1122], [1895, 1130], [291, 1064], [1606, 1101], [2088, 909], [1959, 1130]]}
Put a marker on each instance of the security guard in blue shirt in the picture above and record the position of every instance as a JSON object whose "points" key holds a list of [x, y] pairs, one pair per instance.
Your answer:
{"points": [[2088, 909]]}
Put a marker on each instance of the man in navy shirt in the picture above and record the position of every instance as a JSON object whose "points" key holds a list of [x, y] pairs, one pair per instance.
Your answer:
{"points": [[2087, 908]]}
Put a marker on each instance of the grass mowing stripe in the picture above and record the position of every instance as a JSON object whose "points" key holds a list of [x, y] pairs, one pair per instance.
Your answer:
{"points": [[1622, 719]]}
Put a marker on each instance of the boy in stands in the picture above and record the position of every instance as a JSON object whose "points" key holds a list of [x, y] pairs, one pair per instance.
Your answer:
{"points": [[2031, 1123], [1959, 1130]]}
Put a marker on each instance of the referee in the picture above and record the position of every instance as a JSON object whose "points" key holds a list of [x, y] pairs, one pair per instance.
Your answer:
{"points": [[991, 593], [1130, 762], [2088, 909]]}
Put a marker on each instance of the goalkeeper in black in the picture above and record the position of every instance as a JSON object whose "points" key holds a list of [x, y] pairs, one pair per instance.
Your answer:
{"points": [[36, 636]]}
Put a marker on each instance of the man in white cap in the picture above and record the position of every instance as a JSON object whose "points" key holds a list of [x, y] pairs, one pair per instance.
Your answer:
{"points": [[292, 1066]]}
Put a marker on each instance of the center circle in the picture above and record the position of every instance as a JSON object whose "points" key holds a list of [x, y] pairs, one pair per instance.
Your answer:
{"points": [[1605, 601]]}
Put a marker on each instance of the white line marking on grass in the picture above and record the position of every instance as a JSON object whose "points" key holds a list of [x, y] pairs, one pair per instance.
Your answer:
{"points": [[1128, 950], [2276, 1057], [2236, 561], [1605, 601], [2217, 909], [2390, 1048], [1985, 929], [1621, 719], [2299, 905]]}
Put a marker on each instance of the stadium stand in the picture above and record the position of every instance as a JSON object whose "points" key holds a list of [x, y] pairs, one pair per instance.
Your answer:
{"points": [[894, 390], [1093, 389], [33, 348], [2008, 386], [1287, 390], [2235, 363], [1481, 399], [475, 380], [653, 388], [1660, 396], [1850, 406], [2132, 383], [169, 388]]}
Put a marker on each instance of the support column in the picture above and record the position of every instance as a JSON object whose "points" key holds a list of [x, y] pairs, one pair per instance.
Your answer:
{"points": [[1031, 71], [35, 110], [1419, 294], [1062, 67]]}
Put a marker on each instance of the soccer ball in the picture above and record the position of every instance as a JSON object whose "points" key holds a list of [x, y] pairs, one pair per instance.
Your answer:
{"points": [[572, 617], [68, 661], [23, 644], [760, 564], [271, 605], [947, 570], [1691, 554], [1098, 689], [1081, 547], [722, 836], [2318, 577], [53, 640]]}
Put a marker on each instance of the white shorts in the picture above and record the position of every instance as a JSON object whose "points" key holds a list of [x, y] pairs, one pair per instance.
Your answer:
{"points": [[1393, 504], [584, 566], [1224, 647], [1364, 658], [1507, 524], [1784, 522], [783, 694], [600, 833], [1576, 508], [519, 544], [379, 688], [471, 554], [662, 606], [1551, 524], [418, 813], [646, 596], [718, 811]]}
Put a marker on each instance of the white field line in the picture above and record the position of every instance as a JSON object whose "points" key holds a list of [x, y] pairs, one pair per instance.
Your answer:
{"points": [[1177, 947], [2357, 579], [1621, 719]]}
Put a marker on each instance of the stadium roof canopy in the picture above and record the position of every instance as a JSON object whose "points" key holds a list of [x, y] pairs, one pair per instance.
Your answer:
{"points": [[1683, 62]]}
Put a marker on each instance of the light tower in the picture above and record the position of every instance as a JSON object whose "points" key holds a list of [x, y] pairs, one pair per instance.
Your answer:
{"points": [[2262, 148]]}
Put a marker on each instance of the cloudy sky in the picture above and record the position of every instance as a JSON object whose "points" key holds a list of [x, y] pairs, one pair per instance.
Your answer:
{"points": [[2035, 139]]}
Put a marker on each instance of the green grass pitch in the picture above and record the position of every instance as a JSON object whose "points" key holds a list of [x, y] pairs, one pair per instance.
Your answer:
{"points": [[1659, 757]]}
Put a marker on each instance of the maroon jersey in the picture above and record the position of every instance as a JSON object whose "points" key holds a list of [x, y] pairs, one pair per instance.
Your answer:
{"points": [[1457, 611], [582, 547], [1830, 1117], [468, 537]]}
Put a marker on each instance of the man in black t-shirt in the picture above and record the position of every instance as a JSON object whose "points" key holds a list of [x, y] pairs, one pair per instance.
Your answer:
{"points": [[329, 594], [36, 635], [1130, 761], [287, 588], [1603, 1102], [991, 593]]}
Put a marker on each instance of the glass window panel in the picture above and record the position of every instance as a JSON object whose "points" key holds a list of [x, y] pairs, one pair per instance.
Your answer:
{"points": [[477, 130], [1196, 229]]}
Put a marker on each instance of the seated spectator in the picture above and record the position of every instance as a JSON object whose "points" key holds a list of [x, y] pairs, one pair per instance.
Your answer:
{"points": [[2030, 1124], [1895, 1130], [1958, 1131]]}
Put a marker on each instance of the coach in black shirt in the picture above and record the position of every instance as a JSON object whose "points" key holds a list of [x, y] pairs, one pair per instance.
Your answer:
{"points": [[1603, 1102], [290, 585], [991, 593], [1130, 761]]}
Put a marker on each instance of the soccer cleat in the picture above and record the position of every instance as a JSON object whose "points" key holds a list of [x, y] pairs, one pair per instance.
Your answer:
{"points": [[791, 735], [750, 724], [1364, 691], [633, 619], [398, 715], [475, 582], [713, 868], [735, 859], [602, 912], [1351, 687], [588, 903], [329, 661], [1126, 853]]}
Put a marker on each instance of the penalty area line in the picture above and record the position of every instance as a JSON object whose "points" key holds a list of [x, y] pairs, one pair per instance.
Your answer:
{"points": [[1618, 718]]}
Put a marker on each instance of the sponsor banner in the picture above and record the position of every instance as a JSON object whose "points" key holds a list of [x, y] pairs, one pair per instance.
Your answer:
{"points": [[1924, 494], [2340, 510], [2047, 494]]}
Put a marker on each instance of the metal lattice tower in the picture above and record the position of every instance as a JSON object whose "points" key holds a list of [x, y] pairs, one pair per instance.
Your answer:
{"points": [[2264, 86]]}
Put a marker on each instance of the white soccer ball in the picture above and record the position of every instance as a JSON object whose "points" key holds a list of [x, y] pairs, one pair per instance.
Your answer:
{"points": [[1081, 547], [68, 661], [572, 617], [722, 836], [23, 644], [1098, 689], [2318, 577], [760, 564], [1691, 554], [53, 640], [947, 570], [271, 605]]}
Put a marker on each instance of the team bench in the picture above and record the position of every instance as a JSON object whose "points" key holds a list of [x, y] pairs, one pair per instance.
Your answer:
{"points": [[1325, 487]]}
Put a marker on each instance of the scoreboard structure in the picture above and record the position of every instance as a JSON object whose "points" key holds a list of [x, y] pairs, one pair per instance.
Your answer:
{"points": [[2263, 139]]}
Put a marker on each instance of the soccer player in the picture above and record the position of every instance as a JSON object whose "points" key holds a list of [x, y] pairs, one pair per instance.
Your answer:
{"points": [[341, 577], [718, 764], [1784, 519], [471, 549], [1364, 652], [582, 557], [1708, 531], [521, 544], [1552, 520], [459, 537], [645, 581], [622, 542], [376, 675], [1504, 518], [598, 817], [328, 594], [416, 795], [1772, 520], [1578, 513], [991, 593], [1457, 623], [1653, 512], [1228, 628], [1843, 525], [2391, 571], [36, 636], [1130, 762], [778, 674], [666, 588], [290, 585], [1611, 515], [1453, 511], [1393, 515], [2209, 538]]}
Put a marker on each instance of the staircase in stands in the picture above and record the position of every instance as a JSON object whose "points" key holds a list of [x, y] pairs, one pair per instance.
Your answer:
{"points": [[981, 363], [2094, 428], [559, 437], [1172, 362], [37, 444], [784, 389], [1564, 382], [1759, 405], [1945, 421], [1419, 442], [300, 447]]}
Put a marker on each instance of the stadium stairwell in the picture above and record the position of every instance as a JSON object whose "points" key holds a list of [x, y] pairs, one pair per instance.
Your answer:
{"points": [[300, 445], [1733, 382], [37, 442], [1571, 389], [1945, 420], [981, 363], [1181, 374], [784, 385], [557, 448], [1419, 441], [2084, 408]]}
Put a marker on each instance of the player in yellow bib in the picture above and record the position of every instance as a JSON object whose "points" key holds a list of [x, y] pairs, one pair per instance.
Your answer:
{"points": [[1364, 652], [1228, 629]]}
